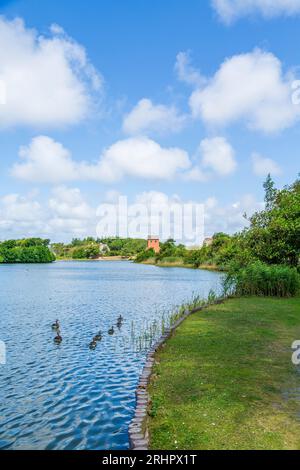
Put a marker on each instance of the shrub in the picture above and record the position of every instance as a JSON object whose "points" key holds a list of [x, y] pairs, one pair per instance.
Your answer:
{"points": [[145, 255], [33, 250], [262, 280]]}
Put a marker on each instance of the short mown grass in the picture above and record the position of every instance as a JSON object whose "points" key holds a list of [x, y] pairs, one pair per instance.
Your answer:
{"points": [[225, 380]]}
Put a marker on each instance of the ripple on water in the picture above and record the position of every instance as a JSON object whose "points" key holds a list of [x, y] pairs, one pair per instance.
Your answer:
{"points": [[68, 397]]}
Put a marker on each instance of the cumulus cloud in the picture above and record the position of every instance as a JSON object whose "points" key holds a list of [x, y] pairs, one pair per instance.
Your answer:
{"points": [[218, 155], [218, 217], [69, 214], [217, 158], [65, 215], [249, 87], [229, 218], [186, 72], [68, 203], [49, 79], [47, 161], [230, 10], [263, 166], [147, 117], [142, 157], [20, 215]]}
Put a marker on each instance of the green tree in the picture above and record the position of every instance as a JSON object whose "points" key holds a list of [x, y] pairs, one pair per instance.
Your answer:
{"points": [[274, 234], [270, 192]]}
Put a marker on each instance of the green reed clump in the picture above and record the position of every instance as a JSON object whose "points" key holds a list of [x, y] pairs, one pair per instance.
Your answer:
{"points": [[149, 332], [262, 280]]}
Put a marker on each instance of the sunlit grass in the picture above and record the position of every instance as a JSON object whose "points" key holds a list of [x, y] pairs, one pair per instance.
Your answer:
{"points": [[225, 380]]}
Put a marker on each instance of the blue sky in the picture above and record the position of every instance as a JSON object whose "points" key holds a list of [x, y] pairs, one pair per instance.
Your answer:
{"points": [[104, 109]]}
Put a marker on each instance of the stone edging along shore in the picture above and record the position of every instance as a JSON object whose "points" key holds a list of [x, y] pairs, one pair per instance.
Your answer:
{"points": [[138, 429]]}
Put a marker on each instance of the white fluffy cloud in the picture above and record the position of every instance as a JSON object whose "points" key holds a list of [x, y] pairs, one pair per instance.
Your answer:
{"points": [[218, 155], [47, 161], [142, 158], [48, 79], [229, 218], [217, 158], [20, 216], [263, 166], [229, 10], [67, 214], [68, 203], [249, 87], [64, 216], [186, 72], [147, 117]]}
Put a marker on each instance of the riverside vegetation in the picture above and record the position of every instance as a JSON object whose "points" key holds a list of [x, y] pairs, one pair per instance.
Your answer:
{"points": [[30, 250], [88, 248], [226, 380], [273, 237], [263, 259]]}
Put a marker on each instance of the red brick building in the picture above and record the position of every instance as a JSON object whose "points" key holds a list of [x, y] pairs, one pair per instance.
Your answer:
{"points": [[153, 242]]}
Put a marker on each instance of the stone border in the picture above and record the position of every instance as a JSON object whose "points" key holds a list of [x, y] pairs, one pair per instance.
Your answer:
{"points": [[138, 430]]}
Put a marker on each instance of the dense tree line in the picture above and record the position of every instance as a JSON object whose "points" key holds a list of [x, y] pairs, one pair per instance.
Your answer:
{"points": [[273, 237], [90, 248], [29, 250]]}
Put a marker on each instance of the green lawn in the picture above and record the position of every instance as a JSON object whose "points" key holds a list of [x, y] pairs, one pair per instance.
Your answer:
{"points": [[226, 380]]}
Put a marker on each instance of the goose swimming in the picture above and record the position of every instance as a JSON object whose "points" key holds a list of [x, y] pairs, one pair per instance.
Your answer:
{"points": [[55, 325], [58, 339]]}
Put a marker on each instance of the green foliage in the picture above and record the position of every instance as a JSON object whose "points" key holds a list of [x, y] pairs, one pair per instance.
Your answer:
{"points": [[223, 250], [89, 248], [88, 251], [145, 255], [126, 247], [274, 234], [262, 280], [31, 250]]}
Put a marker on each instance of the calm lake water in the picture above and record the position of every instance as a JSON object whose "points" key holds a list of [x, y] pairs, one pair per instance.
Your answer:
{"points": [[68, 397]]}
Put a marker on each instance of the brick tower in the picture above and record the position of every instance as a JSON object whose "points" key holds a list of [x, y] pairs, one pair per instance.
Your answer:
{"points": [[153, 242]]}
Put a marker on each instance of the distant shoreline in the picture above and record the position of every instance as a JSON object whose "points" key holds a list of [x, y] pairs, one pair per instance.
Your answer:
{"points": [[111, 258], [203, 267], [177, 264]]}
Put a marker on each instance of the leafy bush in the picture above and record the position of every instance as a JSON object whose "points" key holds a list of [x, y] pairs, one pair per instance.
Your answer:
{"points": [[262, 280], [31, 250], [90, 251], [89, 248], [145, 255]]}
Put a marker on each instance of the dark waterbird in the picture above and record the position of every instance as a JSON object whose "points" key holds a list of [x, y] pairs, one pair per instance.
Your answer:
{"points": [[93, 345], [55, 326], [111, 331], [98, 337], [58, 338]]}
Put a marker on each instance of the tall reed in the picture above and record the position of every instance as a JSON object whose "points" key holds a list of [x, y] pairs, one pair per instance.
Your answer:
{"points": [[151, 332], [262, 280]]}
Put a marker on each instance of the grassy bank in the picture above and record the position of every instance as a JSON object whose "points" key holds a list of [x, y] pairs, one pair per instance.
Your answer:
{"points": [[226, 380]]}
